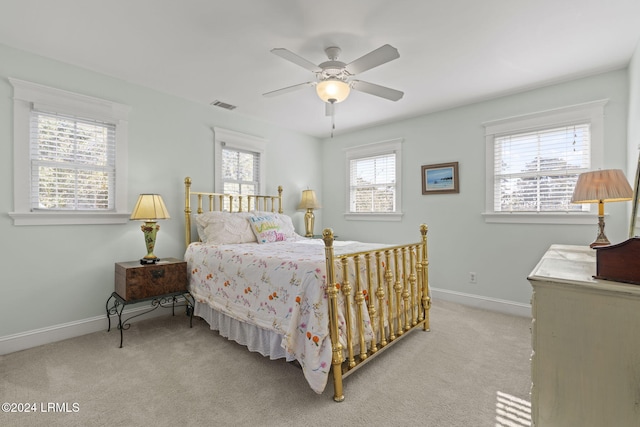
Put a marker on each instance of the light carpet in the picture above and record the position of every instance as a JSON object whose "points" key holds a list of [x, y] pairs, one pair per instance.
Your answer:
{"points": [[472, 370]]}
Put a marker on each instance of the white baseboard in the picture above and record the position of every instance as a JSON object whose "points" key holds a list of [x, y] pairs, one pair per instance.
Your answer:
{"points": [[37, 337], [486, 303]]}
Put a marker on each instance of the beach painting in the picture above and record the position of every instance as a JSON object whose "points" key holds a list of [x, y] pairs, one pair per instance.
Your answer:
{"points": [[440, 178]]}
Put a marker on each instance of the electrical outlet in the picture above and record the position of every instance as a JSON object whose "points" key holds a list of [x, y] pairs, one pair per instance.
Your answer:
{"points": [[473, 278]]}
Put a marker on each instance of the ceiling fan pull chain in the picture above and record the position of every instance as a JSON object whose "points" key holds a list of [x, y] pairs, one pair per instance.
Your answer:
{"points": [[333, 119]]}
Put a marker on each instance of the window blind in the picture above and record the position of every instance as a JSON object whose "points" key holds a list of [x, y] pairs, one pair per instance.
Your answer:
{"points": [[240, 172], [373, 184], [537, 171], [72, 163]]}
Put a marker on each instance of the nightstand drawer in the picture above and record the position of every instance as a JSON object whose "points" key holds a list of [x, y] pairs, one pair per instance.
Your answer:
{"points": [[134, 281]]}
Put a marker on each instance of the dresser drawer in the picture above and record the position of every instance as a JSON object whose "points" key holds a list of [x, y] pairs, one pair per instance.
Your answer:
{"points": [[134, 281]]}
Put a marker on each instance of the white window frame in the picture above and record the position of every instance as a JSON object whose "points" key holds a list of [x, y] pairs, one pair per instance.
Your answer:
{"points": [[28, 96], [589, 112], [239, 141], [369, 150]]}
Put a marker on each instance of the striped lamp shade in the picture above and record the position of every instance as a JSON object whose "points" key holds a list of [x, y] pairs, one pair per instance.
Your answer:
{"points": [[609, 185]]}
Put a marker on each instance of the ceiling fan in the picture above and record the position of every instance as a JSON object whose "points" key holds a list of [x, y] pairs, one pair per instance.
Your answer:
{"points": [[334, 78]]}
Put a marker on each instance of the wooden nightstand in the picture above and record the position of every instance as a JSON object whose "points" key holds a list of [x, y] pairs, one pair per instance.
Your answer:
{"points": [[160, 283]]}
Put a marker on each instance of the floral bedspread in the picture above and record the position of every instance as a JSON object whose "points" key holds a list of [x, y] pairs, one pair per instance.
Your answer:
{"points": [[278, 286]]}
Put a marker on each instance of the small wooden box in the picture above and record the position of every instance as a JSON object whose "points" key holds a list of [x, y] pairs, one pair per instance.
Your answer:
{"points": [[620, 262], [134, 281]]}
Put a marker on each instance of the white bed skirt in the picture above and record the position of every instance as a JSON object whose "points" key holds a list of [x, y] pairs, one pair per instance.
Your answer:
{"points": [[256, 339]]}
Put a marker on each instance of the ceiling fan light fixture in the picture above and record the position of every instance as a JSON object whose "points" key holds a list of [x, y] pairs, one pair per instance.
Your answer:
{"points": [[333, 90]]}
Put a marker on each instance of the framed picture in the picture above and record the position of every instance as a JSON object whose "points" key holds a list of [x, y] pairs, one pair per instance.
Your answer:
{"points": [[441, 178]]}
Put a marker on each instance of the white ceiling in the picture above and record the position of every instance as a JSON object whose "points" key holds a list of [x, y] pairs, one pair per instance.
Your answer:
{"points": [[452, 52]]}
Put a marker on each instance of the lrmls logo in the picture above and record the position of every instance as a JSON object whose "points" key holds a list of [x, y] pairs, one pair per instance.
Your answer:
{"points": [[59, 407]]}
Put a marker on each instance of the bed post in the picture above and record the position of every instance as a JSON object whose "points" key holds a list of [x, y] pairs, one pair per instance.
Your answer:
{"points": [[279, 199], [380, 294], [187, 211], [332, 293], [426, 298]]}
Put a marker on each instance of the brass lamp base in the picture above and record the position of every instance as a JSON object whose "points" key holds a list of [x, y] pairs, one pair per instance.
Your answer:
{"points": [[601, 240], [309, 219]]}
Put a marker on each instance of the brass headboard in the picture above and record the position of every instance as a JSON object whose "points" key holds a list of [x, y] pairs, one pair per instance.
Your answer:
{"points": [[217, 201]]}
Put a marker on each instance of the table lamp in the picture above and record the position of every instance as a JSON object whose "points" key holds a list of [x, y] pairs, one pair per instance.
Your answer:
{"points": [[601, 186], [309, 202], [150, 208]]}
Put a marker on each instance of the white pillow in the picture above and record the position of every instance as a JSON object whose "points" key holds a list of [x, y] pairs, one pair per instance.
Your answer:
{"points": [[199, 227], [221, 228], [203, 219]]}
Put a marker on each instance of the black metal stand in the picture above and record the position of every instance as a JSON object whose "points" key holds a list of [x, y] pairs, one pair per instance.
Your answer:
{"points": [[165, 301]]}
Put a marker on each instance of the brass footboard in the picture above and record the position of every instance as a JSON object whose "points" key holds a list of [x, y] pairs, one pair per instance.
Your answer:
{"points": [[390, 292]]}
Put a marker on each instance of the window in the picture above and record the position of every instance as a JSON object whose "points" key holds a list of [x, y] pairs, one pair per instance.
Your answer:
{"points": [[72, 163], [70, 157], [240, 171], [239, 163], [374, 181], [537, 171], [534, 162]]}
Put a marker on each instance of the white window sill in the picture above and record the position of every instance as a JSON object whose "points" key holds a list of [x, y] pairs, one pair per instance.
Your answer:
{"points": [[395, 216], [540, 218], [68, 218]]}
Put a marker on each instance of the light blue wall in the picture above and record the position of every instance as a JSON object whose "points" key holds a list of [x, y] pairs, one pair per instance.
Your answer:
{"points": [[460, 241], [59, 274]]}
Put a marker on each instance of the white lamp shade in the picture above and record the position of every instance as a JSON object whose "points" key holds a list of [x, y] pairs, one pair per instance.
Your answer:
{"points": [[309, 200], [333, 90], [608, 185], [150, 207]]}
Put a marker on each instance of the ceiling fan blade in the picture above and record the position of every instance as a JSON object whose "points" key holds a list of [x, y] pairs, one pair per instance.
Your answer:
{"points": [[288, 89], [377, 90], [296, 59], [372, 59]]}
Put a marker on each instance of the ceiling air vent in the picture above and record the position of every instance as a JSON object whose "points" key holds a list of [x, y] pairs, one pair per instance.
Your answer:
{"points": [[223, 105]]}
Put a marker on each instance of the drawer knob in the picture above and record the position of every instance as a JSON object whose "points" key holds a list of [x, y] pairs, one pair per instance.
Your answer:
{"points": [[156, 274]]}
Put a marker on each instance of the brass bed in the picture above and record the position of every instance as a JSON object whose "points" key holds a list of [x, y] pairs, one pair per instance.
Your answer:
{"points": [[380, 296]]}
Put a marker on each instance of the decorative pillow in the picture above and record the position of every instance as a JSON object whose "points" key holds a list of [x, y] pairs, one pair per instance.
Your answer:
{"points": [[286, 224], [221, 228], [266, 228]]}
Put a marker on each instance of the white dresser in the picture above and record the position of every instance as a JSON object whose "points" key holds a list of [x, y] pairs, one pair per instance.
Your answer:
{"points": [[585, 365]]}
